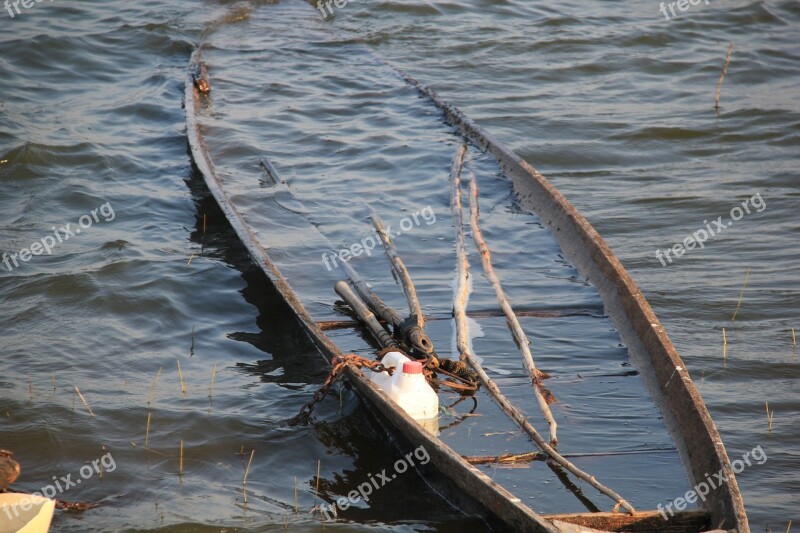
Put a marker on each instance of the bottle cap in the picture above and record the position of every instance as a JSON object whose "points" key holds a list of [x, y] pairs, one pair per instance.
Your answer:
{"points": [[412, 367]]}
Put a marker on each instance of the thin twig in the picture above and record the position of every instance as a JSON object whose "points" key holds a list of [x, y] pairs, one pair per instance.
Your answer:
{"points": [[180, 465], [180, 375], [400, 270], [462, 336], [147, 432], [247, 471], [83, 400], [153, 386], [724, 73], [316, 492], [724, 344], [513, 321], [770, 414], [211, 387], [741, 295]]}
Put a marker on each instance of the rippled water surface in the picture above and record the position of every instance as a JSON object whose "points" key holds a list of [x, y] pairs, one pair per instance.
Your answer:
{"points": [[610, 101]]}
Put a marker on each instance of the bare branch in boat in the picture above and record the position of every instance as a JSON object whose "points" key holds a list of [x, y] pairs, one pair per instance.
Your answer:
{"points": [[400, 271], [543, 396], [462, 336]]}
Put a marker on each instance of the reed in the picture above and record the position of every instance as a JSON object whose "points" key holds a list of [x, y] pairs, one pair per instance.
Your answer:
{"points": [[180, 464], [770, 414], [722, 77], [189, 262], [204, 225], [789, 526], [724, 344], [794, 339], [741, 295], [30, 387], [153, 386], [180, 375], [316, 491], [53, 378], [84, 400], [295, 495], [191, 348], [246, 472], [147, 432], [211, 387]]}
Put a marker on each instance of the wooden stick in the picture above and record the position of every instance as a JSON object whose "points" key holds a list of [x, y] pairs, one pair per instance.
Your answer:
{"points": [[741, 295], [722, 77], [461, 294], [462, 336], [533, 456], [516, 327], [83, 400], [378, 331], [399, 269], [507, 458]]}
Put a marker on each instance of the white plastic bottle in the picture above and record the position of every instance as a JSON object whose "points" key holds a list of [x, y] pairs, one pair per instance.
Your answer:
{"points": [[411, 391], [408, 387]]}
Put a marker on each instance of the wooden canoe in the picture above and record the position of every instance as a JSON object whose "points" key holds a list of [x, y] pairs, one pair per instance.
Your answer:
{"points": [[664, 374]]}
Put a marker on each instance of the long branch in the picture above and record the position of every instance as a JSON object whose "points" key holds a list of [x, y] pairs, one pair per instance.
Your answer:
{"points": [[400, 270], [462, 336], [516, 327]]}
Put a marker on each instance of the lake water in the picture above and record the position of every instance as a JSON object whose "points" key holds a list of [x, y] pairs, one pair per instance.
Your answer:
{"points": [[612, 102]]}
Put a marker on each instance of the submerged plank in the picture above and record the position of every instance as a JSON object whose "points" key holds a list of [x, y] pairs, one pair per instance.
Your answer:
{"points": [[642, 521]]}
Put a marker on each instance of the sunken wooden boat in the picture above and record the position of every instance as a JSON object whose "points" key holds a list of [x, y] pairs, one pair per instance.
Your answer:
{"points": [[650, 350]]}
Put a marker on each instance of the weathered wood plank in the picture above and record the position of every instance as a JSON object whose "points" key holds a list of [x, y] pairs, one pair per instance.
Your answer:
{"points": [[644, 521]]}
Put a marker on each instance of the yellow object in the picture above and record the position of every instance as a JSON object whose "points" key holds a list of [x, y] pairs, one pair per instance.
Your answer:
{"points": [[14, 518]]}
